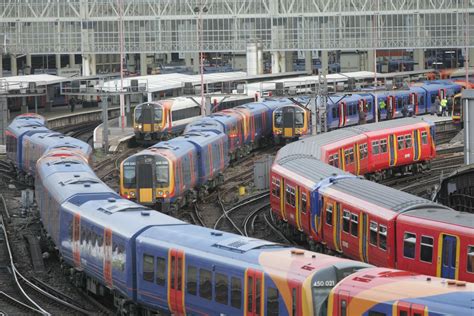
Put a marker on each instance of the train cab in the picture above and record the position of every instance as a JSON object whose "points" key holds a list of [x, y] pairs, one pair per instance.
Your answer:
{"points": [[148, 120], [290, 122]]}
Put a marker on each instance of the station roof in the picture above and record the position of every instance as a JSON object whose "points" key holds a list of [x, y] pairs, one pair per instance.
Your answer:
{"points": [[18, 82]]}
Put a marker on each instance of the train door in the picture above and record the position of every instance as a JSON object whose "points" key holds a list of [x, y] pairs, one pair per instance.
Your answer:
{"points": [[108, 256], [147, 118], [442, 93], [342, 113], [176, 281], [392, 149], [76, 240], [449, 257], [343, 303], [288, 121], [337, 227], [414, 101], [252, 128], [416, 145], [296, 303], [390, 107], [145, 171], [363, 246], [282, 200], [357, 159], [298, 210], [254, 297]]}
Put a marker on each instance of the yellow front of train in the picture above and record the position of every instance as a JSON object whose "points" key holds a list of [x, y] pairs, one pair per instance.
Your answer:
{"points": [[290, 123], [149, 120], [457, 108]]}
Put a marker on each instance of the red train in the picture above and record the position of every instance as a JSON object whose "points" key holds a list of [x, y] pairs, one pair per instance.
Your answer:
{"points": [[374, 150], [342, 213]]}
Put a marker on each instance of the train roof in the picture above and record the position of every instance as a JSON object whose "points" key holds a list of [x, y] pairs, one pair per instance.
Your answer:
{"points": [[383, 196], [312, 145], [389, 124], [444, 215], [310, 168]]}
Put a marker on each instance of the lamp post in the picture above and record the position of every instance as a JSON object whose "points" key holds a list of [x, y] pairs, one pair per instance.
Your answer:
{"points": [[200, 29]]}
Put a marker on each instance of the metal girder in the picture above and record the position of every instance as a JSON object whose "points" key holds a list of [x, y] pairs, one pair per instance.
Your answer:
{"points": [[91, 26]]}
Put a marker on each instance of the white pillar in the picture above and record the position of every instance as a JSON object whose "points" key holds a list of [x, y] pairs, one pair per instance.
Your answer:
{"points": [[278, 62], [419, 58], [324, 62], [370, 60], [252, 59], [28, 63], [58, 62], [288, 61], [471, 57], [260, 58], [1, 65], [143, 65], [308, 62], [14, 68], [72, 60], [89, 65]]}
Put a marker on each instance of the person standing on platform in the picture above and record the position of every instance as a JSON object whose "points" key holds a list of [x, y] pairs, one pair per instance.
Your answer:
{"points": [[444, 104], [72, 103], [382, 106]]}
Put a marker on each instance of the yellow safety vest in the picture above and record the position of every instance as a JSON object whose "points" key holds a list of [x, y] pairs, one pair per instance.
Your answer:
{"points": [[444, 102]]}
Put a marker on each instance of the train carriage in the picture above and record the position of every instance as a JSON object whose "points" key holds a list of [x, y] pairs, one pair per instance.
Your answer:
{"points": [[370, 222]]}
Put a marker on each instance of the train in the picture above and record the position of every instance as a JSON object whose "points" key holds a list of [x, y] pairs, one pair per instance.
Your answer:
{"points": [[27, 138], [337, 211], [290, 122], [351, 109], [175, 172], [159, 120], [150, 262], [375, 150]]}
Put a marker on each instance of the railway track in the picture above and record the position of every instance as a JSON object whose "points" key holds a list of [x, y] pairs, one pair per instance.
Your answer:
{"points": [[23, 294]]}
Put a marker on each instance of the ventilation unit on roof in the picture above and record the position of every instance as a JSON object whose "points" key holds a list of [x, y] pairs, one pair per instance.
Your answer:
{"points": [[241, 244]]}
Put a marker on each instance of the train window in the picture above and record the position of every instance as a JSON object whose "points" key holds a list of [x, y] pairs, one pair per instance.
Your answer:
{"points": [[383, 237], [162, 172], [221, 288], [426, 249], [403, 313], [158, 115], [304, 202], [424, 138], [399, 103], [236, 293], [409, 245], [400, 142], [160, 271], [329, 214], [191, 283], [334, 112], [346, 220], [148, 267], [276, 187], [375, 147], [363, 151], [250, 294], [369, 107], [408, 141], [422, 100], [343, 308], [205, 284], [299, 118], [433, 98], [373, 233], [354, 225], [273, 307], [290, 196], [383, 146], [336, 160], [375, 313], [470, 259], [349, 156]]}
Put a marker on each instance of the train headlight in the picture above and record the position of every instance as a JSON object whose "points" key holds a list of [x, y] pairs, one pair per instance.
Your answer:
{"points": [[132, 194], [160, 193], [140, 126]]}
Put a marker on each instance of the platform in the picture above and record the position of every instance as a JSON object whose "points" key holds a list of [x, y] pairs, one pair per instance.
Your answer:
{"points": [[116, 135]]}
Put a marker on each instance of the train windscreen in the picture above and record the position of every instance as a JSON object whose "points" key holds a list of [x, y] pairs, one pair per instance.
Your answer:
{"points": [[129, 175], [162, 172]]}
